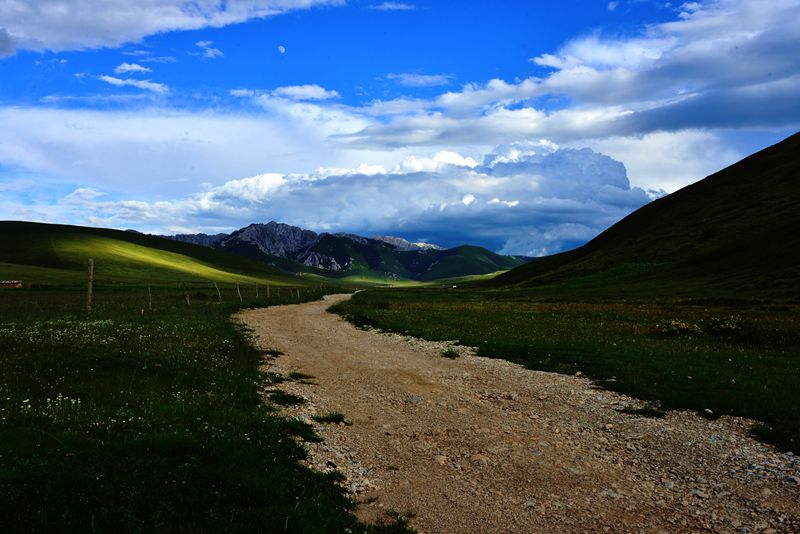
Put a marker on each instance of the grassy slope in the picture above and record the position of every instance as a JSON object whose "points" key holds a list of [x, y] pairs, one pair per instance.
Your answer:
{"points": [[57, 254], [735, 232]]}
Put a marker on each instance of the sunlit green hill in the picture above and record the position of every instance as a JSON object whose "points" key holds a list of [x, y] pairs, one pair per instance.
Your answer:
{"points": [[735, 233], [58, 254]]}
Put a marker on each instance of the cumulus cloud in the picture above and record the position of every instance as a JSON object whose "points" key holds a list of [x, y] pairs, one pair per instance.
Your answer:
{"points": [[420, 80], [724, 65], [281, 49], [305, 92], [668, 161], [124, 68], [147, 85], [42, 25], [525, 199]]}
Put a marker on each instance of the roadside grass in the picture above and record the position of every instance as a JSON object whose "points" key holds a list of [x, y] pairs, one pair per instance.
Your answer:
{"points": [[283, 398], [302, 377], [137, 420], [331, 417], [450, 353], [648, 410], [732, 357]]}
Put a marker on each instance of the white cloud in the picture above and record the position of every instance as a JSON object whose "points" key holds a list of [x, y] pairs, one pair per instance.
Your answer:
{"points": [[281, 49], [124, 68], [148, 149], [159, 59], [612, 6], [243, 93], [208, 50], [668, 160], [436, 162], [305, 92], [729, 64], [43, 24], [509, 203], [139, 84], [420, 80], [82, 196], [392, 6]]}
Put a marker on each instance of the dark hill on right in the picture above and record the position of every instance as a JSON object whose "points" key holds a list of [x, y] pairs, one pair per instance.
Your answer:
{"points": [[735, 233]]}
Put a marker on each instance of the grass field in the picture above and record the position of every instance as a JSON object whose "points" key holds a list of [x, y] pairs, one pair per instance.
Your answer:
{"points": [[140, 419], [57, 256], [735, 357]]}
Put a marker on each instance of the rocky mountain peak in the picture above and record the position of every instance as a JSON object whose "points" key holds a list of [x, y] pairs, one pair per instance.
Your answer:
{"points": [[274, 238]]}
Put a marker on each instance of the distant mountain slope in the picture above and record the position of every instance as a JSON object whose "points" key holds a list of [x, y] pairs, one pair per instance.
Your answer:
{"points": [[51, 253], [298, 250], [403, 244], [735, 232]]}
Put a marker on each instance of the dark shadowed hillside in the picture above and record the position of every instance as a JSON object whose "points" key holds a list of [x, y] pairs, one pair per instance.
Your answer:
{"points": [[338, 255], [736, 232]]}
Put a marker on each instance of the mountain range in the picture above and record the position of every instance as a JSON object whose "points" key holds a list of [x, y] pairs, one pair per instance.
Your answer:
{"points": [[296, 249]]}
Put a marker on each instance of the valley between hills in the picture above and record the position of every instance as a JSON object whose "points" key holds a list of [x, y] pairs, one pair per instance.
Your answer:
{"points": [[645, 381]]}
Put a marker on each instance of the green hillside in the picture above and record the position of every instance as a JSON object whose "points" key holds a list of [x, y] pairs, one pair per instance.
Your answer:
{"points": [[57, 254], [732, 233], [466, 260], [366, 259]]}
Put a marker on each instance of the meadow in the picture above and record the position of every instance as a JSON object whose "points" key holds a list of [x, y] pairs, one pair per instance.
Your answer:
{"points": [[736, 357], [146, 415]]}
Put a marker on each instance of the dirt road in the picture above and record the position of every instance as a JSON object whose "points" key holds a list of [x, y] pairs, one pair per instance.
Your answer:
{"points": [[482, 445]]}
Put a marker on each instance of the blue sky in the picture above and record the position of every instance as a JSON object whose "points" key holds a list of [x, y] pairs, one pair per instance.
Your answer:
{"points": [[526, 127]]}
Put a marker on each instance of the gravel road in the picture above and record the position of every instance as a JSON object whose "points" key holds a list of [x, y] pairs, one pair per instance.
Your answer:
{"points": [[482, 445]]}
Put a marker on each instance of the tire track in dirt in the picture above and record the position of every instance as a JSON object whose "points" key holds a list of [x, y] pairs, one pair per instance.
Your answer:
{"points": [[483, 445]]}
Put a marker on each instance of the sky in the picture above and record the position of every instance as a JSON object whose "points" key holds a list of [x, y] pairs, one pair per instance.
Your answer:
{"points": [[527, 126]]}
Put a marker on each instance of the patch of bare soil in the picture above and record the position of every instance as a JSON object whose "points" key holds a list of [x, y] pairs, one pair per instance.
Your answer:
{"points": [[482, 445]]}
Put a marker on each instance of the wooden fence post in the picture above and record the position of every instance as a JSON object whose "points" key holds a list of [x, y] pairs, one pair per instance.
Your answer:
{"points": [[237, 290], [149, 299], [219, 295], [89, 286]]}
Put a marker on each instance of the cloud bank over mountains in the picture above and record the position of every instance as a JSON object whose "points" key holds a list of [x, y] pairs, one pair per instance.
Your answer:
{"points": [[526, 198], [665, 100]]}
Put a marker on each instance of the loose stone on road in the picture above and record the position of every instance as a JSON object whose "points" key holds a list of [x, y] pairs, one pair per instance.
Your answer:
{"points": [[483, 445]]}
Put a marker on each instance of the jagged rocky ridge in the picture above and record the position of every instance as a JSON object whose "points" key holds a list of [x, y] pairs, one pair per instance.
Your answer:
{"points": [[296, 249]]}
